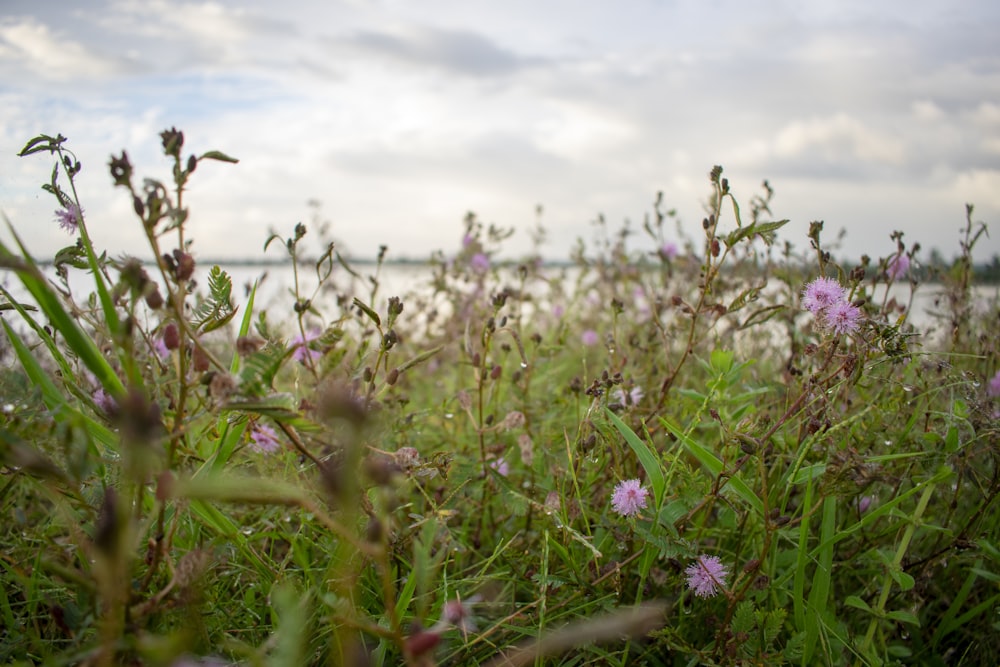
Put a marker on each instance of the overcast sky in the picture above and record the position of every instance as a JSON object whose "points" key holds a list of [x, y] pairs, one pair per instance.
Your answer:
{"points": [[401, 116]]}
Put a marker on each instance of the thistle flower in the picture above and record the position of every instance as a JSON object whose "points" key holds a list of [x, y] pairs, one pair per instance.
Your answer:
{"points": [[898, 267], [706, 576], [822, 293], [69, 216], [842, 318], [264, 439], [629, 497]]}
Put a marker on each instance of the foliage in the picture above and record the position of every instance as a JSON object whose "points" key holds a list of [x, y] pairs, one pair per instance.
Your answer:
{"points": [[427, 478]]}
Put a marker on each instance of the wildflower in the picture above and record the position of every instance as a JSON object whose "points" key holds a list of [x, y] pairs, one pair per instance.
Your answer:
{"points": [[558, 310], [264, 439], [706, 576], [589, 337], [668, 251], [161, 349], [898, 267], [864, 502], [480, 263], [629, 497], [501, 466], [300, 344], [106, 404], [69, 216], [993, 388], [842, 318], [822, 293], [633, 396]]}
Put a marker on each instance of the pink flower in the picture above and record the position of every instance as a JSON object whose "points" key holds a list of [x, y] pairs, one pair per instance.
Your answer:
{"points": [[106, 404], [589, 337], [479, 263], [706, 576], [264, 439], [501, 466], [69, 217], [898, 267], [668, 251], [822, 293], [300, 344], [558, 310], [161, 349], [842, 318], [993, 388], [629, 497]]}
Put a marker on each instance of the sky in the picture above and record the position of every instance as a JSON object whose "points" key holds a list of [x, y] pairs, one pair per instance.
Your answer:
{"points": [[399, 117]]}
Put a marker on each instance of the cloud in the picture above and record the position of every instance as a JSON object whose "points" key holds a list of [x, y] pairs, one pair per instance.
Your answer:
{"points": [[454, 51], [28, 44]]}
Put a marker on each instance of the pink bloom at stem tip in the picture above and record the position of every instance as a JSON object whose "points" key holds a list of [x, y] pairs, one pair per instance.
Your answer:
{"points": [[300, 344], [264, 439], [706, 576], [842, 318], [898, 267], [822, 293], [69, 217], [629, 497]]}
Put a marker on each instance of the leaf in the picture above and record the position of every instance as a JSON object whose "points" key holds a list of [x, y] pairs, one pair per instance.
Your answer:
{"points": [[857, 603], [715, 467], [646, 454], [42, 142], [217, 309], [761, 315], [372, 315], [904, 617], [218, 155]]}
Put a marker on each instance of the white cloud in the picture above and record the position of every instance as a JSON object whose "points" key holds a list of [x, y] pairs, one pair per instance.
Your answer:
{"points": [[836, 138], [28, 44]]}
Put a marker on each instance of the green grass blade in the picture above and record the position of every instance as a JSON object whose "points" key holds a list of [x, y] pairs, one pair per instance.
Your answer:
{"points": [[646, 454]]}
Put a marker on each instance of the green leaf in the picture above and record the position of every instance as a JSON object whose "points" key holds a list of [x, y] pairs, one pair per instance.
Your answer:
{"points": [[217, 309], [372, 315], [646, 454], [857, 603], [715, 467], [904, 617], [218, 155]]}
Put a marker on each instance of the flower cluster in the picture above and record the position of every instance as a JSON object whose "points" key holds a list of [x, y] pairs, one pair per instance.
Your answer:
{"points": [[827, 300]]}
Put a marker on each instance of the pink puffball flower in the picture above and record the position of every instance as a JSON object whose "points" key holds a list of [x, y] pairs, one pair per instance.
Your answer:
{"points": [[898, 267], [69, 217], [300, 344], [668, 250], [589, 337], [501, 466], [264, 439], [842, 318], [993, 388], [706, 576], [632, 397], [479, 263], [629, 497], [822, 293]]}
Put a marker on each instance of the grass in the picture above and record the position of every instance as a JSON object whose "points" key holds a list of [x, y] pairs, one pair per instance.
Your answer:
{"points": [[426, 478]]}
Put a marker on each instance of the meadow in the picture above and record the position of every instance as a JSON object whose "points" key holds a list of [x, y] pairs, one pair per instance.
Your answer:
{"points": [[725, 452]]}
